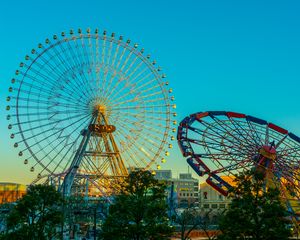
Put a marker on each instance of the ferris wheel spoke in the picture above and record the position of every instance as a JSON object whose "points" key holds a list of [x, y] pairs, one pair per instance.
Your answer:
{"points": [[228, 131], [214, 133], [68, 162], [129, 79], [140, 116], [232, 167], [51, 128], [40, 161], [38, 88], [258, 140], [240, 130], [139, 107], [139, 97], [81, 79]]}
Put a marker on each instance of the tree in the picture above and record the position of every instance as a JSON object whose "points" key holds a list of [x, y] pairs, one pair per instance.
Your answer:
{"points": [[36, 215], [139, 211], [256, 211]]}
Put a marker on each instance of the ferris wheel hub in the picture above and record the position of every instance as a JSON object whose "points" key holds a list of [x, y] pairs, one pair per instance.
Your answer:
{"points": [[100, 108], [268, 152]]}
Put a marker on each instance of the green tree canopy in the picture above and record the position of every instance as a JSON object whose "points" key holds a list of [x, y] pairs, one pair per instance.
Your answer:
{"points": [[36, 215], [139, 211], [256, 211]]}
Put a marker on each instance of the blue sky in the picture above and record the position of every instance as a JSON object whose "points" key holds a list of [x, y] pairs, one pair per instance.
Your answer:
{"points": [[241, 56]]}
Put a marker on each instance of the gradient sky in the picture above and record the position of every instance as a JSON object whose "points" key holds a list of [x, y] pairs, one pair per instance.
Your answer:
{"points": [[241, 56]]}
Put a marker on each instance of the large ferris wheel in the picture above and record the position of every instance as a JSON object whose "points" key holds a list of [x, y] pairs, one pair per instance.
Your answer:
{"points": [[90, 104]]}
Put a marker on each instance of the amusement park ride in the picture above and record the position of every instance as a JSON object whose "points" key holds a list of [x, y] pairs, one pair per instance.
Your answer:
{"points": [[87, 108], [219, 143]]}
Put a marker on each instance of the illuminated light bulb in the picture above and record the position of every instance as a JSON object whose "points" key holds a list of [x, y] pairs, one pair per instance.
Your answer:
{"points": [[172, 98], [9, 126], [63, 34], [20, 154], [8, 98], [158, 167], [163, 76], [40, 45], [47, 41], [33, 51], [13, 80], [7, 108], [167, 153], [39, 175], [172, 138], [12, 136], [142, 50], [174, 122], [16, 145], [32, 169], [8, 117], [135, 45], [174, 114], [163, 160], [17, 72], [173, 130], [170, 90], [25, 161], [174, 106], [10, 89], [167, 83], [170, 146], [21, 64]]}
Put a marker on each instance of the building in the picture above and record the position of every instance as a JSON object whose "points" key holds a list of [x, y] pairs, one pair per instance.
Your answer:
{"points": [[11, 192], [210, 199], [185, 188]]}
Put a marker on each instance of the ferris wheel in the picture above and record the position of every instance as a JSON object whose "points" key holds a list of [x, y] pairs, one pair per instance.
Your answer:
{"points": [[90, 103], [221, 144]]}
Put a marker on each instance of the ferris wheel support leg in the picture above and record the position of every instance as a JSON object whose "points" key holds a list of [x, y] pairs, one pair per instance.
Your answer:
{"points": [[69, 178]]}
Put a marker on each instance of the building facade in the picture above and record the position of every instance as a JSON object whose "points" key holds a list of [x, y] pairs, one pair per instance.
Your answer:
{"points": [[184, 189], [11, 192]]}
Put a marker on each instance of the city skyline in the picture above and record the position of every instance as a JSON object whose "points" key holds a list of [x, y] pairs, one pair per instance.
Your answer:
{"points": [[232, 56]]}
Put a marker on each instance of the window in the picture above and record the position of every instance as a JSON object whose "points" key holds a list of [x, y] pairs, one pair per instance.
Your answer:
{"points": [[205, 205], [214, 206], [187, 194], [183, 194], [205, 195], [220, 197], [222, 206]]}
